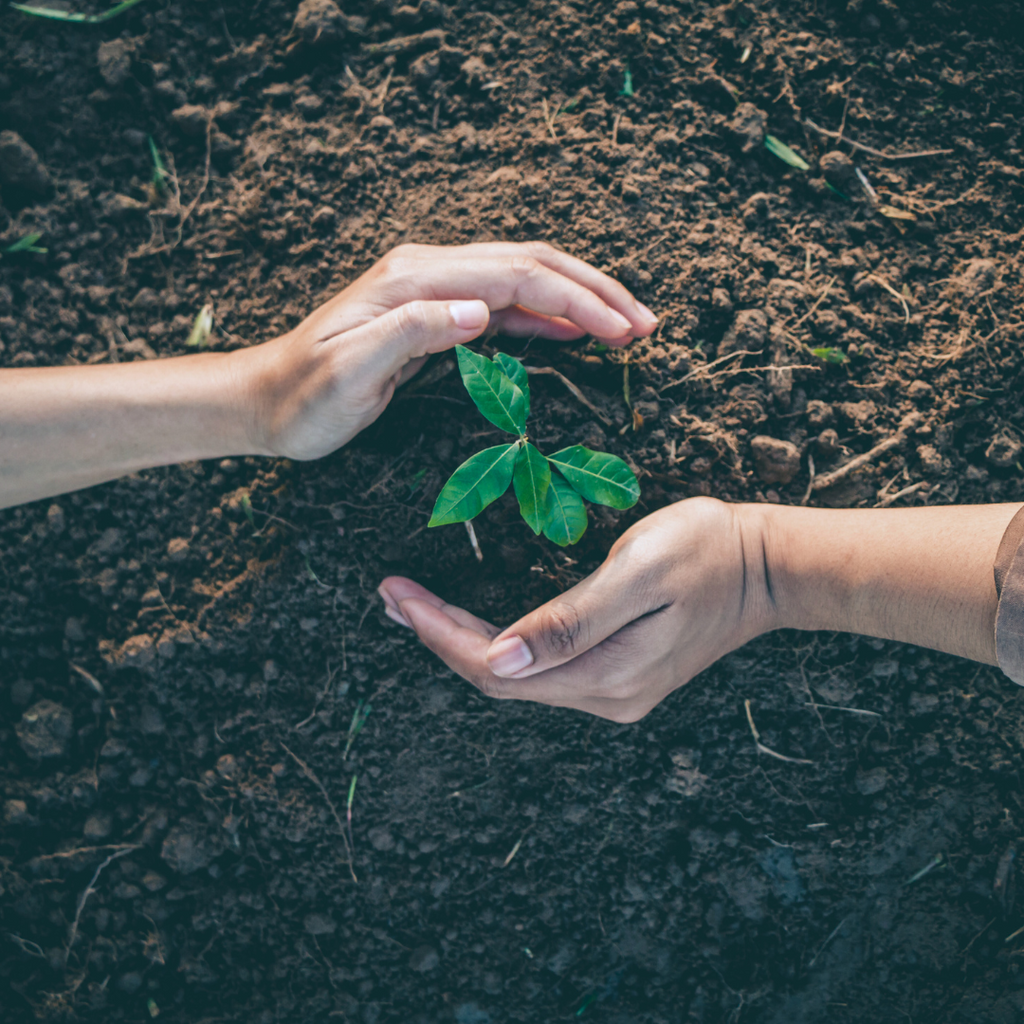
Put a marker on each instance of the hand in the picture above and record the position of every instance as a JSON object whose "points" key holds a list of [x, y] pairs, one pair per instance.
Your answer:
{"points": [[316, 387], [677, 591]]}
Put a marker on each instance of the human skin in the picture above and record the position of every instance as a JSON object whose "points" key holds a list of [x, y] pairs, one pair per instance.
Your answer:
{"points": [[700, 578], [309, 391]]}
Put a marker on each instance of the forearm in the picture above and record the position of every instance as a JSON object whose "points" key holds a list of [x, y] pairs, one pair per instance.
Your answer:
{"points": [[921, 576], [64, 428]]}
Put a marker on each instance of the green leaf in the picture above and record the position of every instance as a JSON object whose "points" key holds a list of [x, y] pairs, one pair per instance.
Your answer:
{"points": [[602, 478], [516, 372], [27, 243], [199, 337], [498, 399], [627, 90], [566, 519], [531, 479], [475, 484], [829, 355], [55, 14], [783, 152]]}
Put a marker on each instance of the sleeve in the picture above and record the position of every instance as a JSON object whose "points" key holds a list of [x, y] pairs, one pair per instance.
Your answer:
{"points": [[1009, 574]]}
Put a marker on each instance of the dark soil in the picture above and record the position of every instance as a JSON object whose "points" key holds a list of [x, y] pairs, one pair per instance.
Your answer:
{"points": [[514, 863]]}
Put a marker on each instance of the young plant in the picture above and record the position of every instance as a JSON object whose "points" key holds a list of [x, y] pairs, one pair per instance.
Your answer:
{"points": [[550, 489]]}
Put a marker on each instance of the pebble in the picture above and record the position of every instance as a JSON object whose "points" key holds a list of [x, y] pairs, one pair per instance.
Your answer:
{"points": [[747, 333], [183, 852], [98, 825], [776, 461], [20, 166], [1003, 451], [45, 729], [320, 22]]}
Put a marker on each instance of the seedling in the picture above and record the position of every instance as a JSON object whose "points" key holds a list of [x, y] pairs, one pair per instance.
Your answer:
{"points": [[829, 355], [27, 243], [550, 489], [83, 19], [627, 82], [160, 173], [199, 337], [784, 153]]}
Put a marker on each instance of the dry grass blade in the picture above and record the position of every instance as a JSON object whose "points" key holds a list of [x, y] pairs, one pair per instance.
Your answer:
{"points": [[891, 499], [603, 417], [917, 155], [895, 294], [89, 890], [311, 775], [762, 749]]}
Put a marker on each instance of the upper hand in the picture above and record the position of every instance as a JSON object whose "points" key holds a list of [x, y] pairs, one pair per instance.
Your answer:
{"points": [[313, 389], [677, 591]]}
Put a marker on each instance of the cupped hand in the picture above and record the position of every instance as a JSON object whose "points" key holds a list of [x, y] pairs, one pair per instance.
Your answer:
{"points": [[316, 387], [678, 590]]}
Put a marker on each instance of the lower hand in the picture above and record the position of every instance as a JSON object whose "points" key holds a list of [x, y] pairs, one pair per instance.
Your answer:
{"points": [[678, 590], [313, 389]]}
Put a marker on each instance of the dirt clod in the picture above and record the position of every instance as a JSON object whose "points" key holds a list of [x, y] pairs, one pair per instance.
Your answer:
{"points": [[775, 461], [45, 730], [20, 167]]}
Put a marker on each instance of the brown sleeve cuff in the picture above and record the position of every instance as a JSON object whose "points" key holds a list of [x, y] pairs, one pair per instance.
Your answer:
{"points": [[1009, 575]]}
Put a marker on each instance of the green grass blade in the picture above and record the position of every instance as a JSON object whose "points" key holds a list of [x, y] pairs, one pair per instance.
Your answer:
{"points": [[498, 399], [784, 153], [27, 243], [54, 14], [602, 478], [475, 484], [531, 480], [566, 519]]}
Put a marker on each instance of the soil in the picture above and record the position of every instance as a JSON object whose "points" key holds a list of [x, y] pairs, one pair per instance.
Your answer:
{"points": [[182, 679]]}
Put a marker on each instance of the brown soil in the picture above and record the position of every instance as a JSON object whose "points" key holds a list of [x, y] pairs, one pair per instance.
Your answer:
{"points": [[664, 871]]}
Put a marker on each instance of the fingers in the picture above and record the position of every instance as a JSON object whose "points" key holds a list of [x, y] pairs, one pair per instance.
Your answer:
{"points": [[396, 589], [505, 276], [571, 624], [518, 322], [620, 679], [417, 329]]}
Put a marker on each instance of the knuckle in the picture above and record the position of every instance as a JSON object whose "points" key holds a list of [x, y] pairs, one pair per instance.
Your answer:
{"points": [[539, 249], [523, 266], [564, 629], [488, 685], [412, 316]]}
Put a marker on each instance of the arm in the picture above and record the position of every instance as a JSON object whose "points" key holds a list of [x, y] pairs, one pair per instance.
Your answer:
{"points": [[700, 578], [308, 392]]}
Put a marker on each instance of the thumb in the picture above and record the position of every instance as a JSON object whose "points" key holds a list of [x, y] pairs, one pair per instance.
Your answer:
{"points": [[564, 628], [420, 328]]}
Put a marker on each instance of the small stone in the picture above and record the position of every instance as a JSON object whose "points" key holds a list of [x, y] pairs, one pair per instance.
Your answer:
{"points": [[870, 782], [183, 852], [840, 172], [776, 461], [177, 549], [324, 217], [309, 104], [819, 414], [20, 166], [55, 519], [920, 391], [1003, 451], [191, 120], [16, 812], [721, 301], [130, 982], [45, 729], [827, 443], [381, 839], [747, 333], [98, 826], [931, 458], [747, 126], [127, 891], [319, 22], [153, 882], [136, 652], [113, 749], [227, 766], [115, 61], [424, 958], [319, 924]]}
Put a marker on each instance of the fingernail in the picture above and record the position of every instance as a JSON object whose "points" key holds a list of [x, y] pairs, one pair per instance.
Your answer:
{"points": [[387, 599], [646, 313], [469, 314], [624, 325], [396, 616], [509, 656]]}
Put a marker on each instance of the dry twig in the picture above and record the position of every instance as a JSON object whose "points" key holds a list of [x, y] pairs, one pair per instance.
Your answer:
{"points": [[603, 417], [830, 479], [905, 493], [89, 890], [895, 294], [876, 152], [768, 750], [311, 775]]}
